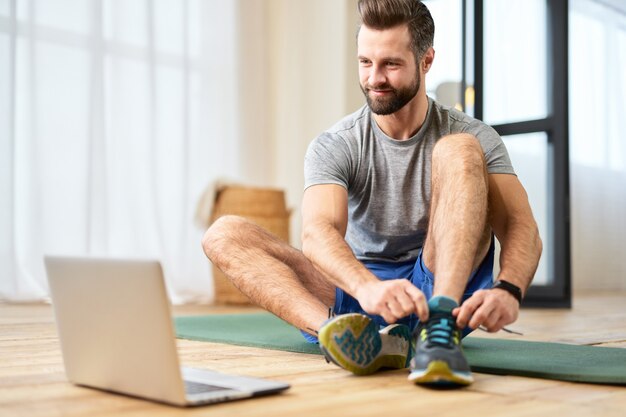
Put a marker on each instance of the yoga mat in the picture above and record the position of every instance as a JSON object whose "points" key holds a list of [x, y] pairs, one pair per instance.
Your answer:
{"points": [[493, 356]]}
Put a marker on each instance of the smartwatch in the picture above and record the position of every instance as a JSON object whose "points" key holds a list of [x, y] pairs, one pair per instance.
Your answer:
{"points": [[512, 289]]}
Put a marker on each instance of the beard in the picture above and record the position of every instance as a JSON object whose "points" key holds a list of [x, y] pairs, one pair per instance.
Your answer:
{"points": [[396, 99]]}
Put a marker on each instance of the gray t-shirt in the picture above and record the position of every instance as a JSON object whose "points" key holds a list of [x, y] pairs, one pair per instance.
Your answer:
{"points": [[388, 181]]}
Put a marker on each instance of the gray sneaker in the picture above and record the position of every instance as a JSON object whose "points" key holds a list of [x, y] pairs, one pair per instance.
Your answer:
{"points": [[439, 359]]}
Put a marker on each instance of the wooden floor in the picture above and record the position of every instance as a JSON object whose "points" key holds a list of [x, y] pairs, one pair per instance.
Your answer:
{"points": [[32, 380]]}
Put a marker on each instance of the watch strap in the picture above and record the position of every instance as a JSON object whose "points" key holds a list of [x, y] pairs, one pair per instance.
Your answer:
{"points": [[512, 289]]}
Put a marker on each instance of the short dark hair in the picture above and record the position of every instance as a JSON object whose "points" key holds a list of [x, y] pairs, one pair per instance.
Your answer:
{"points": [[386, 14]]}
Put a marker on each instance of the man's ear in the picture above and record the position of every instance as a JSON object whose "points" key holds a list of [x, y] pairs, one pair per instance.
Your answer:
{"points": [[427, 60]]}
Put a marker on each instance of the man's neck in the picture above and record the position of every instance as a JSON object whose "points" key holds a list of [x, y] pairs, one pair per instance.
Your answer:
{"points": [[405, 123]]}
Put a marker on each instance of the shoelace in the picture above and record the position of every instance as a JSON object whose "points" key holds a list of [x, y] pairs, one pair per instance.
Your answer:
{"points": [[440, 329], [483, 328], [504, 329]]}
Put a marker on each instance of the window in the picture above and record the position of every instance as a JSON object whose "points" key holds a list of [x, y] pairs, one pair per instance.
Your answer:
{"points": [[511, 72], [524, 96]]}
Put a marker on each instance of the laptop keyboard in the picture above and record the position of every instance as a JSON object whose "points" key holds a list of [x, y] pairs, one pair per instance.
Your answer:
{"points": [[199, 388]]}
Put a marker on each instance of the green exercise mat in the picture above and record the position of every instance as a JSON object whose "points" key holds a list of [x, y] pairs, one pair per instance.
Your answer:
{"points": [[493, 356]]}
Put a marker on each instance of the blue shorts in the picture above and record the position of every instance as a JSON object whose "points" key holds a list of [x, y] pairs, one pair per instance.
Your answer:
{"points": [[421, 277]]}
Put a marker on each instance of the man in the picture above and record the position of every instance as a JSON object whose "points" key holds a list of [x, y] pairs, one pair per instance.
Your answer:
{"points": [[401, 202]]}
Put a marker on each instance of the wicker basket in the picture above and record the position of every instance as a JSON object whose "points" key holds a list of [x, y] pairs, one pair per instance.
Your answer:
{"points": [[263, 206]]}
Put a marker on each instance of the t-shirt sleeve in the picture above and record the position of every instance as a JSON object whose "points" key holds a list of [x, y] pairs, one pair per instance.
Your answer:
{"points": [[496, 154], [327, 161]]}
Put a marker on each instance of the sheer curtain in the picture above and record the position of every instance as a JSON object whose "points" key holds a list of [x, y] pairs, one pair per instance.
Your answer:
{"points": [[114, 116], [597, 143]]}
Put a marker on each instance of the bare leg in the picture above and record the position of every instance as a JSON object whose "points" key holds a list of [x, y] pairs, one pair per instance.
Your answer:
{"points": [[271, 273], [458, 234]]}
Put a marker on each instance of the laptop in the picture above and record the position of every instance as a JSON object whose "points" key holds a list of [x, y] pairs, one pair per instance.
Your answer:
{"points": [[116, 333]]}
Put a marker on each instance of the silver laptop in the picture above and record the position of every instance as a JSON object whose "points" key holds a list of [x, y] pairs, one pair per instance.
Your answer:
{"points": [[116, 332]]}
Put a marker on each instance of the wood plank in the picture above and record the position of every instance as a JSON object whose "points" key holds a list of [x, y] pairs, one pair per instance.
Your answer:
{"points": [[33, 383]]}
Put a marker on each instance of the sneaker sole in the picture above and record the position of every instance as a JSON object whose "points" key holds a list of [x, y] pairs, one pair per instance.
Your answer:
{"points": [[353, 342], [439, 373]]}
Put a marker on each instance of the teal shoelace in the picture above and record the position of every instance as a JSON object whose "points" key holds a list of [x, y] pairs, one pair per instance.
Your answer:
{"points": [[440, 330]]}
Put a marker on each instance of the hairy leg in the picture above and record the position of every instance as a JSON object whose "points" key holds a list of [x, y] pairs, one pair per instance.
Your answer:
{"points": [[271, 273], [458, 233]]}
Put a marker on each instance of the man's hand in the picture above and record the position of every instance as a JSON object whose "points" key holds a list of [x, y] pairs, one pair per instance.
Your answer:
{"points": [[393, 299], [492, 309]]}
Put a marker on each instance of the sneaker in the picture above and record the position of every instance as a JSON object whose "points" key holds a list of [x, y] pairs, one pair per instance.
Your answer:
{"points": [[438, 358], [353, 342]]}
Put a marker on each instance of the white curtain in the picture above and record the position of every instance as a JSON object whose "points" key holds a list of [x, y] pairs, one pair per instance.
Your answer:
{"points": [[114, 116], [597, 142]]}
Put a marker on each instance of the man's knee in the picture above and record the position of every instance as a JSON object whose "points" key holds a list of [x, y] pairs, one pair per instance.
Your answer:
{"points": [[222, 235], [461, 151]]}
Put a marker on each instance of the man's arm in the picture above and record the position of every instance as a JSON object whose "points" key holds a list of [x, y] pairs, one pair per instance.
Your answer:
{"points": [[515, 227], [324, 223]]}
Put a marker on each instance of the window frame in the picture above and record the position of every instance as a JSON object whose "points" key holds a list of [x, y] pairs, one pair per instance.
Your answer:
{"points": [[555, 125]]}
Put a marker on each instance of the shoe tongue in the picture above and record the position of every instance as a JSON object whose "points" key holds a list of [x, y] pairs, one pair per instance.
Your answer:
{"points": [[441, 304]]}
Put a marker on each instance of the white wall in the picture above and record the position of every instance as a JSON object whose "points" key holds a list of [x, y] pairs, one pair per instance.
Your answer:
{"points": [[597, 143], [312, 83], [253, 92]]}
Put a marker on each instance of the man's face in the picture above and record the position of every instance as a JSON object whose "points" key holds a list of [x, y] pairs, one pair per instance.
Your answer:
{"points": [[387, 70]]}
